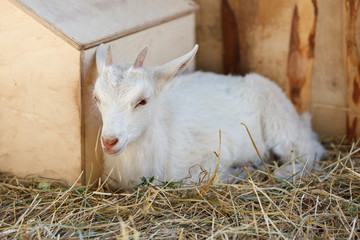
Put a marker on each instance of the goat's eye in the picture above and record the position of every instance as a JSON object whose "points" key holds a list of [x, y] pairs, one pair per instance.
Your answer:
{"points": [[141, 103], [96, 99]]}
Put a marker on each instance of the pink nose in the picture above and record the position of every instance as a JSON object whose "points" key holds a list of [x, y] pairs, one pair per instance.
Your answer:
{"points": [[109, 142]]}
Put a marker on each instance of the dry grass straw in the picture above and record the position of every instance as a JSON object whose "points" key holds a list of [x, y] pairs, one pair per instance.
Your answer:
{"points": [[323, 205]]}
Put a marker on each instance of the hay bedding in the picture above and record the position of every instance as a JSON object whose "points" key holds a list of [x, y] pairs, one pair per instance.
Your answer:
{"points": [[323, 205]]}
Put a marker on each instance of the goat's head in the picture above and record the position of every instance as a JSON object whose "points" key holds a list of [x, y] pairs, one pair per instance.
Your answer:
{"points": [[126, 93]]}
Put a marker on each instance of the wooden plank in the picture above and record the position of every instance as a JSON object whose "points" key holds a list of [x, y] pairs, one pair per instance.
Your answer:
{"points": [[231, 42], [39, 99], [328, 85], [301, 53], [352, 66], [263, 29], [208, 36], [86, 23], [312, 74], [160, 40]]}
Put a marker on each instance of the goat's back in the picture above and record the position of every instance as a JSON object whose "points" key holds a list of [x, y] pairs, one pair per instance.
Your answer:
{"points": [[194, 107]]}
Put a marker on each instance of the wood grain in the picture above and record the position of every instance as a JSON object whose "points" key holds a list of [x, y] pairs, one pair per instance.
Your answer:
{"points": [[300, 45], [263, 32], [301, 53], [39, 99], [352, 66], [231, 55], [328, 80], [208, 35], [86, 23]]}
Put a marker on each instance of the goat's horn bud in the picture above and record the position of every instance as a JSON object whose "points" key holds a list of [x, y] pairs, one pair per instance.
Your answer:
{"points": [[140, 58], [109, 61]]}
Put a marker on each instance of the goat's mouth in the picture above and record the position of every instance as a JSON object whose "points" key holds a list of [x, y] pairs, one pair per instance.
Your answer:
{"points": [[112, 151]]}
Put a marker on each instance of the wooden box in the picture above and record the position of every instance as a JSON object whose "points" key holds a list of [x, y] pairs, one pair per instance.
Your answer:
{"points": [[48, 121]]}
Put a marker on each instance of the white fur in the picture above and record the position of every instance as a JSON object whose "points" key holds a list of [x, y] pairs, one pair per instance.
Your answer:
{"points": [[177, 131]]}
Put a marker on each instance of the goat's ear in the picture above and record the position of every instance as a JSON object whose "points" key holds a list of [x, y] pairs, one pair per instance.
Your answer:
{"points": [[103, 57], [176, 66]]}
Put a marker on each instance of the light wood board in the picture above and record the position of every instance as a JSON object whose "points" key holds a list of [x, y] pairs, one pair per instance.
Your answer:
{"points": [[39, 99], [86, 23], [328, 88]]}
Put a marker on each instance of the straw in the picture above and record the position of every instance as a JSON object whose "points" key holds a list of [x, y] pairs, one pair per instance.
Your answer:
{"points": [[324, 204]]}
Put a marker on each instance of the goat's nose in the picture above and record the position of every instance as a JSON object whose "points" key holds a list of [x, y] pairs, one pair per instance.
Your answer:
{"points": [[109, 142]]}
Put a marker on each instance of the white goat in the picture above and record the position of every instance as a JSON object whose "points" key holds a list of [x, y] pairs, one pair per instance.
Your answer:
{"points": [[156, 123]]}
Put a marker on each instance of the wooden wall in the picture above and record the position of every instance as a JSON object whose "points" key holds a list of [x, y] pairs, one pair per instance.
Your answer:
{"points": [[310, 48], [40, 100], [209, 36]]}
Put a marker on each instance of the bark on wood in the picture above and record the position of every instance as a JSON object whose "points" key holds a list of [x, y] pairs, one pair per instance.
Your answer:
{"points": [[301, 53], [230, 39], [263, 35], [352, 66]]}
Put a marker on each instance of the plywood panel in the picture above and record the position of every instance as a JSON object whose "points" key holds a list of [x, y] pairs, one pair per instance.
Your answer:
{"points": [[87, 22], [161, 40], [39, 99]]}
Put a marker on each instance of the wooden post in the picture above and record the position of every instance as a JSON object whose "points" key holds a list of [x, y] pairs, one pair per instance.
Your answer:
{"points": [[352, 67], [231, 43], [301, 53]]}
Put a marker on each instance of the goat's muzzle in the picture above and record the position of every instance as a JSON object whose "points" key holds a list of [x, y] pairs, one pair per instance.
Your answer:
{"points": [[108, 143]]}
